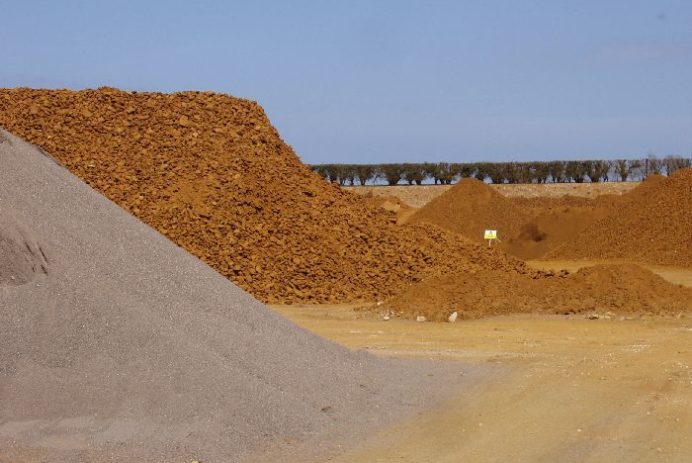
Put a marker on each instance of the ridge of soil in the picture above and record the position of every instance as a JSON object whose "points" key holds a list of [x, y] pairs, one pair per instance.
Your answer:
{"points": [[621, 288]]}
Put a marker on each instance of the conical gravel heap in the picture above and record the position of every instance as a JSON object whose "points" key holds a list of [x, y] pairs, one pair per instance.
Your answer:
{"points": [[117, 345]]}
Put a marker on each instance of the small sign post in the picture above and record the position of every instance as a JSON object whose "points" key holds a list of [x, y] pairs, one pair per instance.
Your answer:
{"points": [[490, 236]]}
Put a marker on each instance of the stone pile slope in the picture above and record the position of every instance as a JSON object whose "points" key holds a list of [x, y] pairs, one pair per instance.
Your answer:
{"points": [[117, 345], [211, 173]]}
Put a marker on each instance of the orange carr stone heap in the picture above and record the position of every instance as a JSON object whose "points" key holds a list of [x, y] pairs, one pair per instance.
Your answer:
{"points": [[211, 173]]}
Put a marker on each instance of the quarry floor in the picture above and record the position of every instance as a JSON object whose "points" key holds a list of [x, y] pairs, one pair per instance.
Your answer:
{"points": [[572, 390]]}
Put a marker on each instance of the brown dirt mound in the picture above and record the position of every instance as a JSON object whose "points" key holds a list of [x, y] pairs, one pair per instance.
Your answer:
{"points": [[652, 224], [469, 208], [618, 288], [211, 173], [527, 227], [551, 227]]}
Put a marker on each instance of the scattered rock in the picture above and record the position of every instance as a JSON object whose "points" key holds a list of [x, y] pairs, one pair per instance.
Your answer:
{"points": [[452, 317], [421, 318]]}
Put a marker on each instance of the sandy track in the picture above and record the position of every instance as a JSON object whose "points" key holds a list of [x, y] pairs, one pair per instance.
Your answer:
{"points": [[567, 389]]}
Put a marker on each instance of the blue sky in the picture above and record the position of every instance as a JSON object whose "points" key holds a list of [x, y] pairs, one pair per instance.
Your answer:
{"points": [[385, 81]]}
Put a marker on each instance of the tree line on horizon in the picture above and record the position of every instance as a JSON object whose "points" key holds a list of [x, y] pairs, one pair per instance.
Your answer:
{"points": [[446, 173]]}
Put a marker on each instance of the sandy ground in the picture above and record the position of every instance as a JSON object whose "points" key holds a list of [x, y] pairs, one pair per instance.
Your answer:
{"points": [[567, 389]]}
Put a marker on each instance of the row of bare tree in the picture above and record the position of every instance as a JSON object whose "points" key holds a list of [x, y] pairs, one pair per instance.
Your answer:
{"points": [[502, 172]]}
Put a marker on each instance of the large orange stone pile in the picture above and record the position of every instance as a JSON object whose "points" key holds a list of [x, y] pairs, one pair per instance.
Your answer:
{"points": [[211, 173]]}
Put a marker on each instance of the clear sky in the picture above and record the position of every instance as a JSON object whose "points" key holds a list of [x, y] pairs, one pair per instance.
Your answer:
{"points": [[384, 81]]}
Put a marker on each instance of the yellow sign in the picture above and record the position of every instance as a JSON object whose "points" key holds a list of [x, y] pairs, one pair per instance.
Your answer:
{"points": [[491, 234]]}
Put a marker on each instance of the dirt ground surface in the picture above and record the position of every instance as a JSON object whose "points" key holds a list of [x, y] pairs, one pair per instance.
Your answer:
{"points": [[567, 389], [420, 195]]}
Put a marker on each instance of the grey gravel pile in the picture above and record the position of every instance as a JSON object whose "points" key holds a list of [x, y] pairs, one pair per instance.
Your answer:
{"points": [[115, 344]]}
